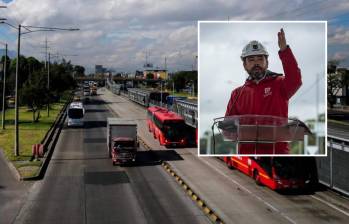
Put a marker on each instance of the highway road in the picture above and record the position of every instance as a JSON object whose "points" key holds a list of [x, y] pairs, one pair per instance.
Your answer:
{"points": [[82, 186], [340, 130], [234, 196]]}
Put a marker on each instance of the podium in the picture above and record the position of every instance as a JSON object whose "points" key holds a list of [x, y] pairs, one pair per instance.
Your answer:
{"points": [[258, 131]]}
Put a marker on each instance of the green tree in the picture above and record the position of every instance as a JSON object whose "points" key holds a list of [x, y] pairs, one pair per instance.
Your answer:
{"points": [[33, 65], [150, 76], [61, 79], [334, 82], [183, 78], [34, 93], [79, 71], [8, 60]]}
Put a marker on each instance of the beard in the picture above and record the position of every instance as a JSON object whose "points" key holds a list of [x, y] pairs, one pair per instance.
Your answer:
{"points": [[256, 72]]}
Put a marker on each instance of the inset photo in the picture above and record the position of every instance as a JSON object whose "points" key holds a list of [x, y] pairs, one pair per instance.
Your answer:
{"points": [[262, 88]]}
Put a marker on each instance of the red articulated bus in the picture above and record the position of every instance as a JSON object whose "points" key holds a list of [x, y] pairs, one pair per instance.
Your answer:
{"points": [[277, 173], [167, 126], [150, 114]]}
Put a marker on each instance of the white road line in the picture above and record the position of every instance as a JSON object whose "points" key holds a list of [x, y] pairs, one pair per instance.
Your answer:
{"points": [[330, 205], [250, 192]]}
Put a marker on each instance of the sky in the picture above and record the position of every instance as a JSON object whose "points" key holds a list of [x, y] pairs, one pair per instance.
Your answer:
{"points": [[120, 33], [221, 69]]}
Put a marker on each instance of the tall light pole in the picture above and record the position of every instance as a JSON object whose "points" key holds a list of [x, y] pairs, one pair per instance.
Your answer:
{"points": [[160, 93], [16, 149], [48, 84], [3, 89], [30, 29]]}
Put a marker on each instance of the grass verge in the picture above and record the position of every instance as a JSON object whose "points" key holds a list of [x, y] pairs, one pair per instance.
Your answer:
{"points": [[29, 133]]}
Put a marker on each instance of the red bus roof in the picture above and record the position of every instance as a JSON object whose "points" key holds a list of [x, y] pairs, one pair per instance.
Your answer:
{"points": [[156, 108], [167, 116]]}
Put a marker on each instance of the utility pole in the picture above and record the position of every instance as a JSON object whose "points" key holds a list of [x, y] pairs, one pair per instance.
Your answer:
{"points": [[48, 85], [160, 93], [196, 63], [16, 149], [146, 58], [317, 120], [46, 52], [165, 63], [4, 89]]}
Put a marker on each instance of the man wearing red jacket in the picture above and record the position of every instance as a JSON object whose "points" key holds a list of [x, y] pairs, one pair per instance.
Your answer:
{"points": [[265, 92]]}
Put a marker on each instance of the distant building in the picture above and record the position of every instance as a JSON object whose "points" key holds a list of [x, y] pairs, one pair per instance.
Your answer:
{"points": [[139, 74], [99, 69], [158, 73]]}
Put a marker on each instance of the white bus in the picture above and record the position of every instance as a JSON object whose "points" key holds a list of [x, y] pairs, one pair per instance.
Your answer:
{"points": [[76, 113]]}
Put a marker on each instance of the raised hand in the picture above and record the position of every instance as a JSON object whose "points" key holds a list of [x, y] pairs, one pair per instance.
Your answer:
{"points": [[282, 40]]}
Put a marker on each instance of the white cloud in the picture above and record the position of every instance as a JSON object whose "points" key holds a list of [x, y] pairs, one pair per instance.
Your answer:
{"points": [[340, 56], [167, 28], [340, 36]]}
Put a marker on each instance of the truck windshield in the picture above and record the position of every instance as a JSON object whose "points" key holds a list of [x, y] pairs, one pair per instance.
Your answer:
{"points": [[123, 144], [174, 131], [75, 113]]}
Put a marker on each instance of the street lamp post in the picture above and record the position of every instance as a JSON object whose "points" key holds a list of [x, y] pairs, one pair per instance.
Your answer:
{"points": [[48, 85], [173, 87], [4, 88], [30, 29], [160, 93], [16, 149]]}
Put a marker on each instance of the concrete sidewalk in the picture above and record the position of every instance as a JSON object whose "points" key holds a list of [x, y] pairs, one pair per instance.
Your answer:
{"points": [[13, 193]]}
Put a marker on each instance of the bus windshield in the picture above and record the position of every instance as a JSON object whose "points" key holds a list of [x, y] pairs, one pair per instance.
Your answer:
{"points": [[75, 113], [287, 167], [174, 131]]}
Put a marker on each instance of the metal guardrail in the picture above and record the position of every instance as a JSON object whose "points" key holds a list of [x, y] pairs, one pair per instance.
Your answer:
{"points": [[113, 87], [338, 143], [50, 140], [333, 170]]}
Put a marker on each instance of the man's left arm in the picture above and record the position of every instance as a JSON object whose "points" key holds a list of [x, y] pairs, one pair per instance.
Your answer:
{"points": [[293, 78]]}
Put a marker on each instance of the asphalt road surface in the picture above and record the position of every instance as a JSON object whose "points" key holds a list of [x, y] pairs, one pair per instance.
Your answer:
{"points": [[234, 196], [12, 192], [338, 130], [82, 186]]}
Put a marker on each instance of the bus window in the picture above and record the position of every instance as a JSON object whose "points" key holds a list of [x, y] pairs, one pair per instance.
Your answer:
{"points": [[265, 163], [287, 167], [75, 113], [174, 131]]}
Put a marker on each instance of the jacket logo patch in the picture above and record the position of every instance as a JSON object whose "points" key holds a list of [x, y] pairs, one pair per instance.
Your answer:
{"points": [[267, 92]]}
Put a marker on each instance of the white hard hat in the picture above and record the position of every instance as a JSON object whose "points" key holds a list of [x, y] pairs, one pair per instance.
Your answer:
{"points": [[253, 48]]}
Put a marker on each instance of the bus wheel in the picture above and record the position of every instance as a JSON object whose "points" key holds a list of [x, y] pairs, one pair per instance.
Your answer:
{"points": [[256, 177], [229, 165]]}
